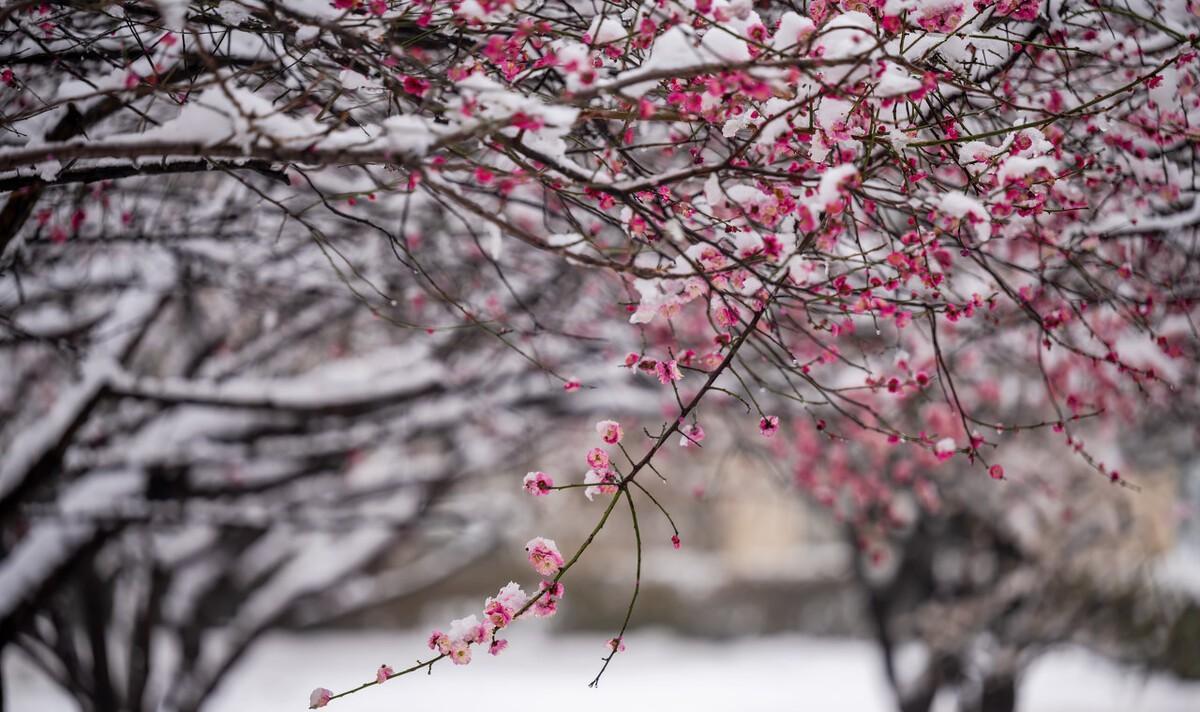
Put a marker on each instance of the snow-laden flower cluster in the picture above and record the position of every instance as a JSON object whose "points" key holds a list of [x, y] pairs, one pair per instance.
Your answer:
{"points": [[498, 612]]}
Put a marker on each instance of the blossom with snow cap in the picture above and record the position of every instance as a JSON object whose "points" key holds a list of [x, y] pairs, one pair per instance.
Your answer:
{"points": [[599, 482], [944, 449], [538, 484], [501, 608], [610, 431], [597, 459], [544, 556], [468, 630], [319, 698]]}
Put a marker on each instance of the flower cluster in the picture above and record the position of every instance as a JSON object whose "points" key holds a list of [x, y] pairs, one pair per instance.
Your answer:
{"points": [[498, 612], [551, 592], [602, 477]]}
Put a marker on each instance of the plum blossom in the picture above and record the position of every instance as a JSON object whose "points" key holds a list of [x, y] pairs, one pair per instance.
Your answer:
{"points": [[600, 482], [460, 653], [944, 449], [319, 698], [538, 484], [468, 630], [498, 645], [551, 592], [610, 431], [501, 608], [768, 425], [544, 556], [598, 459], [996, 472], [457, 643], [384, 673], [440, 642], [692, 434], [668, 372], [616, 645]]}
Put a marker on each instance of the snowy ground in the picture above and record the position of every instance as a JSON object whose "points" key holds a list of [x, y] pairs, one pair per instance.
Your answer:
{"points": [[658, 672]]}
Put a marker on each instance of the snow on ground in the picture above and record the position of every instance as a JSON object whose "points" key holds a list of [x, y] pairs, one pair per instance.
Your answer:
{"points": [[659, 671]]}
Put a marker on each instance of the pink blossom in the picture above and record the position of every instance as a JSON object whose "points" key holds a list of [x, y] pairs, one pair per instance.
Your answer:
{"points": [[415, 85], [692, 434], [468, 630], [617, 645], [610, 431], [668, 372], [383, 673], [545, 607], [319, 698], [497, 613], [944, 449], [996, 472], [497, 646], [551, 592], [501, 608], [460, 653], [544, 556], [600, 482], [597, 459], [675, 541], [525, 122], [538, 484], [768, 425], [439, 641], [572, 385]]}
